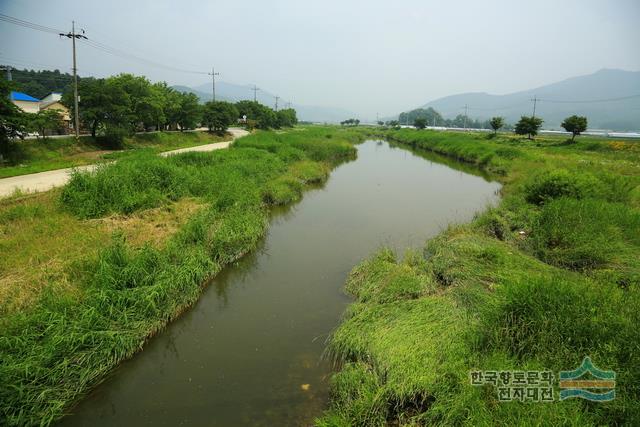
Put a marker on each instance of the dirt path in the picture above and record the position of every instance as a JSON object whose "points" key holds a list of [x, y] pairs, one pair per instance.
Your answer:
{"points": [[43, 181]]}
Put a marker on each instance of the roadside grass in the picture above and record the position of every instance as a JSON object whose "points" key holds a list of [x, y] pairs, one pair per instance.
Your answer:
{"points": [[545, 278], [39, 155], [127, 282]]}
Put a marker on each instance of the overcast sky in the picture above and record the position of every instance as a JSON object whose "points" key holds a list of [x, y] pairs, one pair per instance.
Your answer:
{"points": [[367, 56]]}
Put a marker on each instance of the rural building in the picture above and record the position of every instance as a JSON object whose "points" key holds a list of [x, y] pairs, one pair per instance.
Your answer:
{"points": [[52, 102], [25, 102]]}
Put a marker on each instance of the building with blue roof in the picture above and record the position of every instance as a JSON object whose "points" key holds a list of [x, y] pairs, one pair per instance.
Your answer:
{"points": [[26, 103]]}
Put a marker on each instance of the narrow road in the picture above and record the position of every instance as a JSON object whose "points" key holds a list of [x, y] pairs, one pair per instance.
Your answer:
{"points": [[44, 181]]}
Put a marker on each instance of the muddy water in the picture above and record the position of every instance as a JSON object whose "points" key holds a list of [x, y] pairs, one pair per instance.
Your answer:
{"points": [[249, 352]]}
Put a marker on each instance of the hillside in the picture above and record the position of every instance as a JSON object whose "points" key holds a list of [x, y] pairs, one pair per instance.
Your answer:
{"points": [[556, 101]]}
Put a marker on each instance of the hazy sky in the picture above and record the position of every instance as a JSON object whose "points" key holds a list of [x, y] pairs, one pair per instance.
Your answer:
{"points": [[367, 56]]}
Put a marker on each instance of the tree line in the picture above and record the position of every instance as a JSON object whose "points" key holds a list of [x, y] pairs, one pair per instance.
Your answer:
{"points": [[118, 106], [528, 126], [127, 103], [41, 83], [432, 117]]}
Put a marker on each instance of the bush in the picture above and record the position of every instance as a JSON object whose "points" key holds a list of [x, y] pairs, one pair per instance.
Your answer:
{"points": [[113, 137], [581, 234], [557, 183]]}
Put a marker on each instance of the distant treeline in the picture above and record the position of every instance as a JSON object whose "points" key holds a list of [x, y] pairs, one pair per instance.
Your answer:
{"points": [[41, 83], [434, 118]]}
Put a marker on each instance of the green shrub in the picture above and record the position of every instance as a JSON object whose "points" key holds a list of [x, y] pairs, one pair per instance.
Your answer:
{"points": [[283, 190], [581, 234], [553, 184]]}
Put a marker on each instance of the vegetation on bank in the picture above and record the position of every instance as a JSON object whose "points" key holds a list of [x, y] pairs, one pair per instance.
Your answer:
{"points": [[116, 254], [32, 156], [549, 276], [116, 107]]}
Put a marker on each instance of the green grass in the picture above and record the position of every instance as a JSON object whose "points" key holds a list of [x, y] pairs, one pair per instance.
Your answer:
{"points": [[39, 155], [547, 277], [55, 349]]}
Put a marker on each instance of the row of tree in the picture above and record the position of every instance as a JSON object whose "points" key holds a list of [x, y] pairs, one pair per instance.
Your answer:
{"points": [[117, 106], [527, 125], [126, 103], [432, 117], [350, 122]]}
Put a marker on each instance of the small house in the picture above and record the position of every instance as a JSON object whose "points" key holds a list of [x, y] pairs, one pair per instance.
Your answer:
{"points": [[25, 102]]}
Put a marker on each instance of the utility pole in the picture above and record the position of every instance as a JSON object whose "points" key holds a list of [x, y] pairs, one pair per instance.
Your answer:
{"points": [[73, 36], [465, 116], [213, 75], [277, 98], [535, 101], [255, 90], [288, 104]]}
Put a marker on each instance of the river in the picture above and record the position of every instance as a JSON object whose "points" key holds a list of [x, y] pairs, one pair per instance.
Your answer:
{"points": [[250, 351]]}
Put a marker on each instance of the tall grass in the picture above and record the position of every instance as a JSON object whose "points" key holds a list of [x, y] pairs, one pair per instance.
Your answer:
{"points": [[53, 352], [549, 276]]}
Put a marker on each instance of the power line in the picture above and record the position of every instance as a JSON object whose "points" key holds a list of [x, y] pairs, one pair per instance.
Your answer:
{"points": [[97, 45], [117, 52], [108, 39], [27, 24]]}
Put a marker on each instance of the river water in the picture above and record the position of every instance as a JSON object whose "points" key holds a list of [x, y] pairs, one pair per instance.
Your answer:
{"points": [[250, 351]]}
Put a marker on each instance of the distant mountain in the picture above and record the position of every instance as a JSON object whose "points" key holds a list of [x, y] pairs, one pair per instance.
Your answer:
{"points": [[556, 101], [233, 92]]}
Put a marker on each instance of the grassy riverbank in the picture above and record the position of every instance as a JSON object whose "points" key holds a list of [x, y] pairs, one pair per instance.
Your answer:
{"points": [[39, 155], [549, 276], [96, 268]]}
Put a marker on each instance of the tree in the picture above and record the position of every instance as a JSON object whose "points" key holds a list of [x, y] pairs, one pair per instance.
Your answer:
{"points": [[219, 115], [12, 119], [431, 115], [575, 124], [393, 124], [103, 104], [528, 126], [263, 116], [420, 123], [380, 123], [287, 117], [496, 123], [190, 112], [43, 121]]}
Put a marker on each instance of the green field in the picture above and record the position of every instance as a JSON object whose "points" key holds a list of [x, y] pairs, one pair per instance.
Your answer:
{"points": [[545, 278], [39, 155], [96, 268]]}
